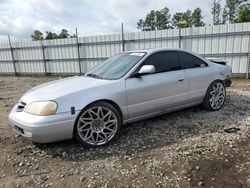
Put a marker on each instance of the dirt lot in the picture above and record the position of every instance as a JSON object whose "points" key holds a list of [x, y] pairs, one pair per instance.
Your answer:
{"points": [[189, 148]]}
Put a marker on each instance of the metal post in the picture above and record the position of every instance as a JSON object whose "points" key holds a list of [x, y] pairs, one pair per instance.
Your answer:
{"points": [[123, 41], [12, 55], [248, 66], [180, 37], [44, 59], [78, 52], [248, 63]]}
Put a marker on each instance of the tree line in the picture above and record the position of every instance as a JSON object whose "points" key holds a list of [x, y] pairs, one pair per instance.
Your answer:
{"points": [[234, 11], [38, 35]]}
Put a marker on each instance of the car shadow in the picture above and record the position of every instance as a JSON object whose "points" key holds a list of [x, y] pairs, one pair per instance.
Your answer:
{"points": [[157, 132]]}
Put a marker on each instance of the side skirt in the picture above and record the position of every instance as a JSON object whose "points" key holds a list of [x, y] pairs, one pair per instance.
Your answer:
{"points": [[161, 112]]}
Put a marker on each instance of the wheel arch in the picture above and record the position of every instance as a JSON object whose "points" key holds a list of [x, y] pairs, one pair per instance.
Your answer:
{"points": [[216, 80], [114, 104]]}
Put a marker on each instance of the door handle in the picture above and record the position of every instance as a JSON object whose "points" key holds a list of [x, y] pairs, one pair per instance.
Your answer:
{"points": [[181, 79]]}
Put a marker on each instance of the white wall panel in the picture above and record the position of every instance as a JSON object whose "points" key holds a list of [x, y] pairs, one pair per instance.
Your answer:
{"points": [[30, 67], [62, 54]]}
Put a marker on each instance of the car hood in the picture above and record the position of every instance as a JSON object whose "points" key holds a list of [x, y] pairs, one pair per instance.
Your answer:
{"points": [[59, 88]]}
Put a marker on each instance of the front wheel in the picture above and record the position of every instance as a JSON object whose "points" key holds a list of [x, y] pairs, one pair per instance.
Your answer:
{"points": [[215, 96], [98, 124]]}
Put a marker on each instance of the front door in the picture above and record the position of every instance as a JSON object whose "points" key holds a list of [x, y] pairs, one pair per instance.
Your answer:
{"points": [[153, 93]]}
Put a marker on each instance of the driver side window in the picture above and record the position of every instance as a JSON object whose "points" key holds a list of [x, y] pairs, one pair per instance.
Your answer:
{"points": [[164, 61]]}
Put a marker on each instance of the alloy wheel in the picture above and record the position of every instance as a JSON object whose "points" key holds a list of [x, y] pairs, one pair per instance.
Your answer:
{"points": [[97, 125], [217, 96]]}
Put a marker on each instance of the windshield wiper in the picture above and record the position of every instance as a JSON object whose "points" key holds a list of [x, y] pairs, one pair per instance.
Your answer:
{"points": [[94, 76]]}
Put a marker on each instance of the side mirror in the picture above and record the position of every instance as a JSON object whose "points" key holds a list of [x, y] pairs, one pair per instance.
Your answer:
{"points": [[145, 69]]}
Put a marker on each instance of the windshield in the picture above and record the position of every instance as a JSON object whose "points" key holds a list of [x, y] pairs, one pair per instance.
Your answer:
{"points": [[116, 66]]}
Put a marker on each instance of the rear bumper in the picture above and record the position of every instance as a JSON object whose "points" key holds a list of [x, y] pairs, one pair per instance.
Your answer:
{"points": [[43, 129], [228, 82]]}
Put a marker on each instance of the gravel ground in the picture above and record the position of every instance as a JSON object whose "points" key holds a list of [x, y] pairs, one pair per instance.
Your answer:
{"points": [[188, 148]]}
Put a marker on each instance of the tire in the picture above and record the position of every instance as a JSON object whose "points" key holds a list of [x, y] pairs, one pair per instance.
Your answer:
{"points": [[215, 96], [98, 124]]}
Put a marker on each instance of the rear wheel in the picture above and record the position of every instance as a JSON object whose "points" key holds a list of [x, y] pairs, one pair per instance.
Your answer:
{"points": [[215, 96], [98, 124]]}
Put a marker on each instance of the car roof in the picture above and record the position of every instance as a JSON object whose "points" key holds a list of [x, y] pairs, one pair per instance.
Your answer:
{"points": [[153, 50]]}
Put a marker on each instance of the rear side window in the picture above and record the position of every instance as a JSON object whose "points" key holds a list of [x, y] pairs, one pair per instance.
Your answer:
{"points": [[190, 61], [164, 61]]}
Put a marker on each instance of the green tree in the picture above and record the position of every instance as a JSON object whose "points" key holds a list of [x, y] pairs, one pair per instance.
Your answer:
{"points": [[230, 10], [37, 35], [50, 35], [155, 20], [224, 16], [161, 21], [243, 14], [216, 11], [163, 18], [182, 19], [197, 18], [140, 24], [64, 34], [150, 21], [177, 18]]}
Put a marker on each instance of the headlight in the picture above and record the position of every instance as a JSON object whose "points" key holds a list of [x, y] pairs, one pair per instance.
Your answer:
{"points": [[41, 108]]}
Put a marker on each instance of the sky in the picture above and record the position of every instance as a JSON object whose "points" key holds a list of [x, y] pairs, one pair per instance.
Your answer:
{"points": [[19, 18]]}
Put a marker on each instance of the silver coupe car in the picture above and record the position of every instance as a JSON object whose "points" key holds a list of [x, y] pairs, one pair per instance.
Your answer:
{"points": [[127, 87]]}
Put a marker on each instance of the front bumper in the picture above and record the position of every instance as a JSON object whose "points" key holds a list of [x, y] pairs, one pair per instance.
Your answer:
{"points": [[43, 129]]}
